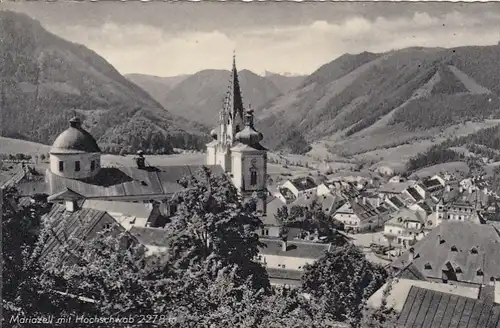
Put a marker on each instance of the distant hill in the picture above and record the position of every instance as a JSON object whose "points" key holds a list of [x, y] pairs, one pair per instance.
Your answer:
{"points": [[156, 86], [200, 96], [45, 80], [377, 100], [285, 83]]}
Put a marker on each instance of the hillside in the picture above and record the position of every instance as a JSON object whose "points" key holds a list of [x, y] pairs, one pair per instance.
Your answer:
{"points": [[46, 80], [15, 146], [200, 96], [285, 83], [156, 86], [358, 103]]}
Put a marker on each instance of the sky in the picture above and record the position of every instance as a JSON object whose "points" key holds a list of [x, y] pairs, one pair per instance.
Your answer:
{"points": [[168, 39]]}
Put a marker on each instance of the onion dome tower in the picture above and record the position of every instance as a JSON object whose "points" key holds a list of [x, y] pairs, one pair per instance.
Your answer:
{"points": [[249, 162], [75, 153]]}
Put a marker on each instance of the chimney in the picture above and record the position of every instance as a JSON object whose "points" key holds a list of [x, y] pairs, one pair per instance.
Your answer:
{"points": [[71, 206], [140, 160], [411, 254], [485, 191], [470, 190], [448, 189], [284, 245], [461, 189]]}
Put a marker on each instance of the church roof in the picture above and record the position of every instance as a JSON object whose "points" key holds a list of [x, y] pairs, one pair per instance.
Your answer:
{"points": [[75, 140], [112, 182]]}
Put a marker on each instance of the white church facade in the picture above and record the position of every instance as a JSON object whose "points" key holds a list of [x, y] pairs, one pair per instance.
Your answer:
{"points": [[236, 146]]}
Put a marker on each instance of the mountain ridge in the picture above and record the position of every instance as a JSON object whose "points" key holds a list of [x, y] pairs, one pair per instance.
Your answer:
{"points": [[46, 80]]}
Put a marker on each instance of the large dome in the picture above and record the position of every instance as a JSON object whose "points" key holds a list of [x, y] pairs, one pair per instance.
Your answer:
{"points": [[75, 140]]}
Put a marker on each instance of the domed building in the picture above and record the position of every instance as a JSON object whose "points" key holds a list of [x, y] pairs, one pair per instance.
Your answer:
{"points": [[75, 153]]}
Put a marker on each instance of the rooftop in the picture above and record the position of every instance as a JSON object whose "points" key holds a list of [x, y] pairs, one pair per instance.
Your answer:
{"points": [[75, 140], [294, 249], [304, 183], [401, 287], [469, 251], [430, 308], [126, 208], [129, 181]]}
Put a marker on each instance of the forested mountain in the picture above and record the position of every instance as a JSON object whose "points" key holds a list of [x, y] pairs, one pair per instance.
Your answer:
{"points": [[393, 94], [156, 86], [200, 96], [45, 80]]}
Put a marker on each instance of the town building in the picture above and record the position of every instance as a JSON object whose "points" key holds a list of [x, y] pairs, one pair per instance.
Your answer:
{"points": [[285, 260], [457, 252], [358, 215]]}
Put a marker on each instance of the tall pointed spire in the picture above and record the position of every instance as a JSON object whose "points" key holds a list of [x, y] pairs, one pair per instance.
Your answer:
{"points": [[236, 99]]}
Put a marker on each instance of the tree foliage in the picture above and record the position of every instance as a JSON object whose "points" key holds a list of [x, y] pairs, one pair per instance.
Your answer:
{"points": [[341, 281]]}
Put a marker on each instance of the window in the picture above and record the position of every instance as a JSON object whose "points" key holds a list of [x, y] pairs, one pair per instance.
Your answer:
{"points": [[479, 272], [283, 266], [61, 166], [77, 166], [458, 270], [92, 165], [428, 266], [454, 248], [300, 267], [253, 177], [473, 250], [107, 226]]}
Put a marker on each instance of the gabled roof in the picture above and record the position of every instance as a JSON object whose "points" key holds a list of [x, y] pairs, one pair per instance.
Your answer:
{"points": [[295, 249], [414, 193], [432, 183], [395, 187], [429, 308], [436, 250], [65, 194], [304, 183], [66, 224], [397, 201], [150, 236]]}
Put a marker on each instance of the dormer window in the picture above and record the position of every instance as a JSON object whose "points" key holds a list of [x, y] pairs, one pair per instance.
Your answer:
{"points": [[458, 270], [473, 250], [454, 248], [77, 166], [427, 266], [92, 165], [479, 272]]}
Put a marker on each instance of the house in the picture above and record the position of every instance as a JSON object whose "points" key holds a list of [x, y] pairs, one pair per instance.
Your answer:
{"points": [[394, 189], [285, 260], [68, 221], [358, 215], [405, 227], [400, 288], [130, 214], [272, 228], [434, 184], [431, 308], [456, 251], [300, 186]]}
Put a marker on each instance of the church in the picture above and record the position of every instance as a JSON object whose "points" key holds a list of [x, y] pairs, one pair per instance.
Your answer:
{"points": [[77, 179], [236, 146]]}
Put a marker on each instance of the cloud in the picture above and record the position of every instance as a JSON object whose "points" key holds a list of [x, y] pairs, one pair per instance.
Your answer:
{"points": [[299, 48]]}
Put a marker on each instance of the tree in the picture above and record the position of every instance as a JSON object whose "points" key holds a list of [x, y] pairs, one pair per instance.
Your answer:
{"points": [[21, 293], [341, 281]]}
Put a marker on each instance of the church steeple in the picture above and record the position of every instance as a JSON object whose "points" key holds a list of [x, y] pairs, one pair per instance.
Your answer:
{"points": [[235, 99]]}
